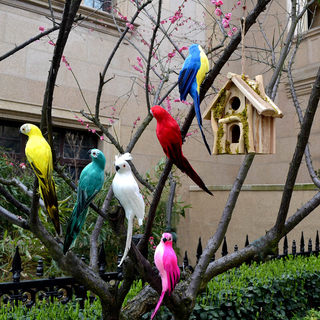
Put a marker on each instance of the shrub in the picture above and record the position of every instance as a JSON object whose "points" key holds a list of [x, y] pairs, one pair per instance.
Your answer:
{"points": [[278, 289]]}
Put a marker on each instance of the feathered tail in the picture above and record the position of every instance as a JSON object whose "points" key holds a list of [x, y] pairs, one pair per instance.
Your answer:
{"points": [[158, 304], [49, 196], [75, 224], [196, 103], [128, 241], [185, 167]]}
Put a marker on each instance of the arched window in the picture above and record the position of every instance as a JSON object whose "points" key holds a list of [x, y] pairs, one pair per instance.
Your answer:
{"points": [[235, 103], [235, 133]]}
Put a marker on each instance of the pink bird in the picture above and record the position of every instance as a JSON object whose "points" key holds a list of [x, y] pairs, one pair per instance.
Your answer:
{"points": [[166, 261]]}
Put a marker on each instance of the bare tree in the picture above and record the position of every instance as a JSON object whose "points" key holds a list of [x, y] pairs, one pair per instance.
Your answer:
{"points": [[182, 301]]}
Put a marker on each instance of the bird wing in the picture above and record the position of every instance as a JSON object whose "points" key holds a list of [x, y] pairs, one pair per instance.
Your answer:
{"points": [[187, 75], [90, 183], [39, 155], [170, 265]]}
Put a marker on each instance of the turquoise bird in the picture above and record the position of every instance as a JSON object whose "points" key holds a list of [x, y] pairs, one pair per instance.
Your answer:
{"points": [[190, 78], [90, 183]]}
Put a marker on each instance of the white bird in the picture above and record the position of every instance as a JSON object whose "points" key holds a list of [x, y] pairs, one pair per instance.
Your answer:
{"points": [[126, 190]]}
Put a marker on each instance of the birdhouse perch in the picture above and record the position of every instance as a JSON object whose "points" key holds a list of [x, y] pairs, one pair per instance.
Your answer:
{"points": [[243, 117]]}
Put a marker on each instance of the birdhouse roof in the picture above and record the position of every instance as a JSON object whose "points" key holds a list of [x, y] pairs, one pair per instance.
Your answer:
{"points": [[253, 90]]}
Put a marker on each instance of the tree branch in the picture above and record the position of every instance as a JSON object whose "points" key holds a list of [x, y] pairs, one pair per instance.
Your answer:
{"points": [[12, 218]]}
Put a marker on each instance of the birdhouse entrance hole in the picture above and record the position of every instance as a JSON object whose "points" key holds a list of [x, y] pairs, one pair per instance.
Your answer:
{"points": [[235, 103], [235, 134]]}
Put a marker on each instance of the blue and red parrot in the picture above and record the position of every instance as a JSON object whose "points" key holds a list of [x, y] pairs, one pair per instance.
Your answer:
{"points": [[169, 136], [190, 78], [90, 183]]}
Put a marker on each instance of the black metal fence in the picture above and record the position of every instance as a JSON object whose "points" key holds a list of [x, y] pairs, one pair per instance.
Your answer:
{"points": [[64, 288]]}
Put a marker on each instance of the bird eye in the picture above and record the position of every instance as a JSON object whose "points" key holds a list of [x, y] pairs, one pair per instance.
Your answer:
{"points": [[124, 165]]}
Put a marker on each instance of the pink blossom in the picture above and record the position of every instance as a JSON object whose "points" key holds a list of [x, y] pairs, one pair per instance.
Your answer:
{"points": [[213, 1], [93, 130], [218, 12], [183, 48], [113, 108], [68, 67], [130, 26], [225, 23], [163, 21], [176, 100], [230, 33], [51, 43], [188, 134], [111, 121], [234, 29], [64, 59], [139, 62], [154, 247], [228, 16], [41, 28], [137, 69], [11, 164], [171, 54], [22, 165], [101, 138], [239, 3], [219, 3]]}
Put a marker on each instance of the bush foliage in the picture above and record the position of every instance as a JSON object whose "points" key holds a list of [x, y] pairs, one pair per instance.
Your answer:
{"points": [[278, 289]]}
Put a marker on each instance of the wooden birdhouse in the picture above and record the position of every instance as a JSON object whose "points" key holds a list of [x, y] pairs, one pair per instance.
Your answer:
{"points": [[243, 117]]}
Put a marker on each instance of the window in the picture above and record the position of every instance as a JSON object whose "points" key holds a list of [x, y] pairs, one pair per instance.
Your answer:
{"points": [[311, 18], [104, 5], [71, 146]]}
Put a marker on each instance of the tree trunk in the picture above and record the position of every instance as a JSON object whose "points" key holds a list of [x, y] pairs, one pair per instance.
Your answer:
{"points": [[110, 312]]}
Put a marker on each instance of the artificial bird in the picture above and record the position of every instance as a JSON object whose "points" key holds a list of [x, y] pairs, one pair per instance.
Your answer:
{"points": [[169, 136], [90, 183], [192, 74], [126, 190], [165, 260], [39, 155]]}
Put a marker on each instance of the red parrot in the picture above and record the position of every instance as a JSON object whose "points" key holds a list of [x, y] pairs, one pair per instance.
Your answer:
{"points": [[169, 136]]}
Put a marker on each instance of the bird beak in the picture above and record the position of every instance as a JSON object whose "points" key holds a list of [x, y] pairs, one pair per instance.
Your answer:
{"points": [[117, 168], [164, 240]]}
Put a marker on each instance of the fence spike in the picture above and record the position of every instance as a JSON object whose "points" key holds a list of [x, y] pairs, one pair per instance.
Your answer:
{"points": [[247, 241], [310, 246], [199, 250], [294, 247], [302, 243], [317, 242], [185, 260], [16, 266], [285, 246], [224, 247], [39, 270], [101, 259]]}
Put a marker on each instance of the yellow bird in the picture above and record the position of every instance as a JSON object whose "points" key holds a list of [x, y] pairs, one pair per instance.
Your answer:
{"points": [[39, 155]]}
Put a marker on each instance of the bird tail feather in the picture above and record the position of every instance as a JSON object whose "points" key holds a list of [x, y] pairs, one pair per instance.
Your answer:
{"points": [[196, 101], [128, 241], [187, 168], [158, 305], [49, 196]]}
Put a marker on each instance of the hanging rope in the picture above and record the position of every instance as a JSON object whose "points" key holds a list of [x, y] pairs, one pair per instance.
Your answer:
{"points": [[243, 27]]}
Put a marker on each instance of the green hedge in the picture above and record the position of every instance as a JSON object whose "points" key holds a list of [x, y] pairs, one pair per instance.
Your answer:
{"points": [[53, 311], [278, 289]]}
